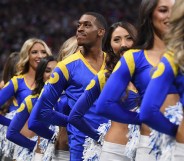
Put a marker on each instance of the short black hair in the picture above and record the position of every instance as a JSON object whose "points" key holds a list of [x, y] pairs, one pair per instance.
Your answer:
{"points": [[99, 18]]}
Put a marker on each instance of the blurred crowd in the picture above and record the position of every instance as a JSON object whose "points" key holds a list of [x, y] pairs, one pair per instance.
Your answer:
{"points": [[53, 20]]}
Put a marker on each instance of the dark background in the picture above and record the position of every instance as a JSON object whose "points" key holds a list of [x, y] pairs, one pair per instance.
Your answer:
{"points": [[53, 20]]}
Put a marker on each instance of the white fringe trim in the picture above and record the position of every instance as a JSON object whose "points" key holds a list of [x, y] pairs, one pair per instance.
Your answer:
{"points": [[162, 144], [133, 141], [6, 146], [49, 152], [92, 149], [47, 146], [24, 154]]}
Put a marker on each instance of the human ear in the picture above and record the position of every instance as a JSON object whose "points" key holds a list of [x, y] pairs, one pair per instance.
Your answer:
{"points": [[101, 32]]}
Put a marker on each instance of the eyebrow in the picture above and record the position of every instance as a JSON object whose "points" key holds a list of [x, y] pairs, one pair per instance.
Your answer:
{"points": [[127, 35], [117, 36], [48, 67], [163, 6], [84, 22]]}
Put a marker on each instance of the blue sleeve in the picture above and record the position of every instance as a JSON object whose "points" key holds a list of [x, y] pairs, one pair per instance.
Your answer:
{"points": [[155, 95], [43, 109], [109, 103], [131, 99], [4, 121], [82, 105], [40, 128], [62, 105], [8, 90], [17, 123]]}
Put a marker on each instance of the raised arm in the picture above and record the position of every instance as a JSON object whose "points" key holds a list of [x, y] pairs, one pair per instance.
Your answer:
{"points": [[83, 104], [17, 123], [155, 95], [42, 128], [109, 103], [43, 109]]}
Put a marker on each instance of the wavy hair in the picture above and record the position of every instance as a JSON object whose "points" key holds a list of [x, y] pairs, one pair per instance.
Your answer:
{"points": [[68, 48], [113, 58], [175, 37], [23, 64]]}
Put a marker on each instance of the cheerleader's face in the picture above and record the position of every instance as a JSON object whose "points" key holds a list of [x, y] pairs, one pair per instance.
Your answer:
{"points": [[50, 66], [120, 39], [161, 15], [37, 52]]}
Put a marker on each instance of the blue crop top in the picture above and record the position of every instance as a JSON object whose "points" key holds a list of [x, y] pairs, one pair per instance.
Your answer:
{"points": [[166, 80], [86, 100], [134, 67], [24, 113], [16, 88]]}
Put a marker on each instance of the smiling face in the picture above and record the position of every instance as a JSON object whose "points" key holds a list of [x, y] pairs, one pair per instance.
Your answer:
{"points": [[87, 30], [120, 39], [35, 54], [161, 15]]}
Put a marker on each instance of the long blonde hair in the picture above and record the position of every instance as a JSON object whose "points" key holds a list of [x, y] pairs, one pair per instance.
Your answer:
{"points": [[175, 38], [23, 64], [69, 47]]}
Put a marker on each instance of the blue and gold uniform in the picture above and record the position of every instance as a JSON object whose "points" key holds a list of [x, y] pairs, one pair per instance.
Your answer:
{"points": [[62, 105], [16, 88], [4, 121], [134, 67], [62, 109], [72, 75], [20, 118], [87, 99], [167, 79]]}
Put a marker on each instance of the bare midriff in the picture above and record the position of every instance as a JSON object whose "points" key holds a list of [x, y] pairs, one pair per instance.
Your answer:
{"points": [[117, 133], [170, 100]]}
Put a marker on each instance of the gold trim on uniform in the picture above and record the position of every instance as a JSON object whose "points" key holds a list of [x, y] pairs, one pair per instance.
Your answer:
{"points": [[160, 70], [21, 108], [29, 103], [54, 78], [102, 78], [128, 56], [91, 84], [170, 57]]}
